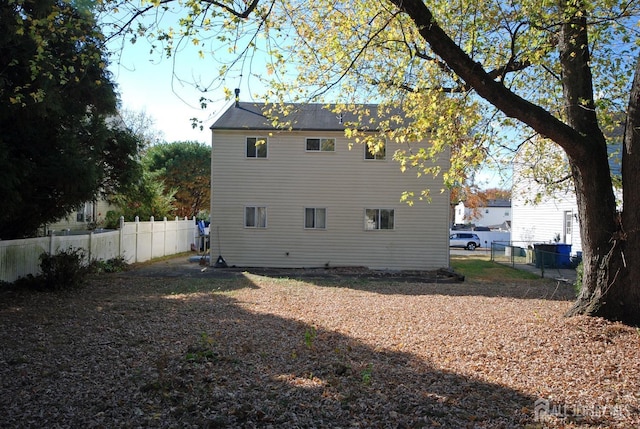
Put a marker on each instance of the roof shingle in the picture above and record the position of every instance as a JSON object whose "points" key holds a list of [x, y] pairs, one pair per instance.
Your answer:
{"points": [[303, 117]]}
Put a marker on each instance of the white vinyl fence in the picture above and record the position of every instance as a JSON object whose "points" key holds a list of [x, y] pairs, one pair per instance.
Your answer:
{"points": [[134, 241]]}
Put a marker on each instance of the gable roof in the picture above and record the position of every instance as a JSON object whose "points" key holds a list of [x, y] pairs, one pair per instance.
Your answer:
{"points": [[499, 203], [303, 117]]}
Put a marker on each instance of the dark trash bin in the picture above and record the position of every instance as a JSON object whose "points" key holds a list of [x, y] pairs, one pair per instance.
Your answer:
{"points": [[553, 255], [545, 255], [575, 260]]}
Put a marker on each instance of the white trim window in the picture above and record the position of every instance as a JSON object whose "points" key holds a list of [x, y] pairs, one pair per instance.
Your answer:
{"points": [[375, 219], [257, 147], [255, 217], [320, 145], [315, 218], [84, 212], [375, 150]]}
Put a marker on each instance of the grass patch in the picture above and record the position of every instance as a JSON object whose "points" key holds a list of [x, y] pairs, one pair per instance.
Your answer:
{"points": [[482, 268]]}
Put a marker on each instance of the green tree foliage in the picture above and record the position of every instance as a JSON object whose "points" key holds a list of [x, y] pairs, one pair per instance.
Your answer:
{"points": [[462, 73], [186, 168], [56, 148], [146, 198]]}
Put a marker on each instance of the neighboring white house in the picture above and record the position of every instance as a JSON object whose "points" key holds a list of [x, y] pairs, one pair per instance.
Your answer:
{"points": [[553, 219], [496, 213], [540, 216], [309, 197], [554, 216]]}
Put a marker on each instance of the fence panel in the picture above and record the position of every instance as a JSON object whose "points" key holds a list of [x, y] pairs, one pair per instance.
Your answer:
{"points": [[134, 241], [543, 259], [128, 241], [105, 245], [19, 258]]}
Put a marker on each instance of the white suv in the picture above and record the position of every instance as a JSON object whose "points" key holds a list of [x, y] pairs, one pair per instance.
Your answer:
{"points": [[466, 240]]}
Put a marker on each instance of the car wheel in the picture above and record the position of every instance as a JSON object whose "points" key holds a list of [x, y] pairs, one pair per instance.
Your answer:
{"points": [[471, 246]]}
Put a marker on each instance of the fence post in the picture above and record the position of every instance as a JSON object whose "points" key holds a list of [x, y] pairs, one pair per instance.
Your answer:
{"points": [[52, 235], [137, 219], [121, 243], [153, 233], [176, 243], [90, 246]]}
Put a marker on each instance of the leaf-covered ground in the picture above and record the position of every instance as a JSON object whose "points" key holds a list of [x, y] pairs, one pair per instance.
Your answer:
{"points": [[131, 350]]}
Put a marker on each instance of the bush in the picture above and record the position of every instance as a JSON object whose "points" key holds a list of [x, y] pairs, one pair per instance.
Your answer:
{"points": [[579, 274], [63, 270], [113, 265], [112, 219]]}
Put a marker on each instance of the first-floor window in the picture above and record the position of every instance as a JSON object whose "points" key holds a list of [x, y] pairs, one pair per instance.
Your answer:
{"points": [[379, 219], [255, 217], [84, 212], [315, 218]]}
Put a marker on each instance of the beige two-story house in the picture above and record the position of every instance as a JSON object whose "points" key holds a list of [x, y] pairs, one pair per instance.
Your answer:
{"points": [[306, 196]]}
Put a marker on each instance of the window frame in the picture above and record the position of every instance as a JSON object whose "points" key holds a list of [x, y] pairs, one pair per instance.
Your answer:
{"points": [[256, 147], [380, 156], [315, 218], [320, 145], [257, 224], [378, 219]]}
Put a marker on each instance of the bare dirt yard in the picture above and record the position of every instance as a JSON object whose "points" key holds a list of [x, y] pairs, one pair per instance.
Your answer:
{"points": [[172, 346]]}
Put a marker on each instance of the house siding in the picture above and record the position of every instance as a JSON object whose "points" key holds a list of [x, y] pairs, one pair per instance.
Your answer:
{"points": [[101, 207], [291, 179], [486, 216], [540, 223]]}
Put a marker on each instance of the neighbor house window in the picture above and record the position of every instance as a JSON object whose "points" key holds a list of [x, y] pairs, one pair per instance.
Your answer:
{"points": [[375, 150], [321, 145], [315, 218], [379, 219], [256, 147], [84, 212], [255, 217]]}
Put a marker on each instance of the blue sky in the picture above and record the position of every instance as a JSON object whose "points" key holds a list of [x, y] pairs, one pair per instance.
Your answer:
{"points": [[147, 84], [163, 89]]}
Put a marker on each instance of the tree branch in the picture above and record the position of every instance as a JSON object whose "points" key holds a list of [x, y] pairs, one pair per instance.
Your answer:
{"points": [[242, 14], [494, 92]]}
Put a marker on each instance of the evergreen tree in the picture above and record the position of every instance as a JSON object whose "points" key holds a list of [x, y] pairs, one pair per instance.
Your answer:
{"points": [[57, 149]]}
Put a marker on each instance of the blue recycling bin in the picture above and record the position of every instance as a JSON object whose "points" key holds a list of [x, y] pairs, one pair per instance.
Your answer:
{"points": [[563, 255]]}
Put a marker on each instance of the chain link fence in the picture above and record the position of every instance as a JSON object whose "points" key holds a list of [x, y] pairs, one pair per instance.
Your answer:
{"points": [[552, 260]]}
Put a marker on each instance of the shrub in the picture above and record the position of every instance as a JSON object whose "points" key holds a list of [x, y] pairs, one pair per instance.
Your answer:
{"points": [[63, 270], [112, 219], [113, 265], [579, 274]]}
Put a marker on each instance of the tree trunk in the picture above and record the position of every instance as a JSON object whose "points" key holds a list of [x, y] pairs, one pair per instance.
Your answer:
{"points": [[611, 285], [611, 242]]}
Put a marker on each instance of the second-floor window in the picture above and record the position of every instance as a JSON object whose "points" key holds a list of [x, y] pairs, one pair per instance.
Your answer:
{"points": [[257, 147], [375, 150], [255, 217], [379, 219], [321, 145]]}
